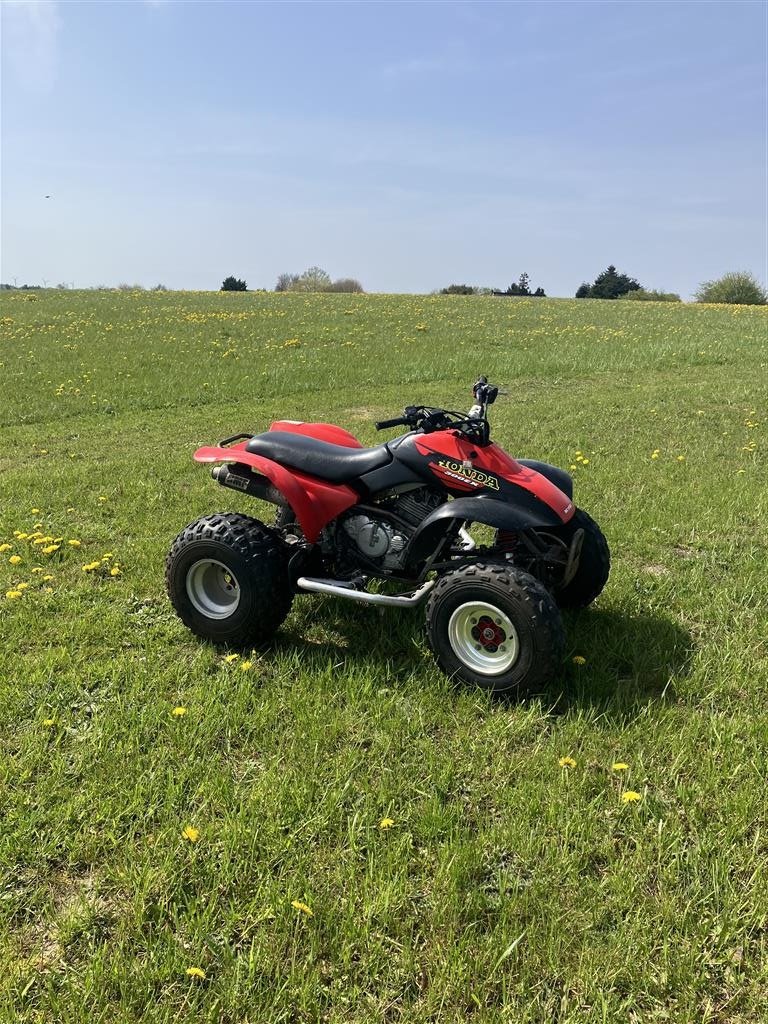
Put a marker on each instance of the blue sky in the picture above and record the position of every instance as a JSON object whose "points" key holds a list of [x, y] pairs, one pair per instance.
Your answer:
{"points": [[408, 145]]}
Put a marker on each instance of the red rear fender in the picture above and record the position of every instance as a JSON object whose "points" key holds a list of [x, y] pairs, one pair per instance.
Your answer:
{"points": [[322, 431], [314, 502]]}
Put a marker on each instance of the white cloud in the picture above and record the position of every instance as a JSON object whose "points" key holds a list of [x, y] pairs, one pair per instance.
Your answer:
{"points": [[30, 42]]}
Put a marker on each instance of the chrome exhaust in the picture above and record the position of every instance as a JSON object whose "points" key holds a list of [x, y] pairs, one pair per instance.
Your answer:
{"points": [[340, 588], [254, 484]]}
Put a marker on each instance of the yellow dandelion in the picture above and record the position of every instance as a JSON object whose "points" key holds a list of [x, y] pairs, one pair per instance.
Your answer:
{"points": [[585, 462], [178, 712], [191, 833], [106, 556], [13, 594], [15, 559], [22, 586], [298, 905], [196, 972], [619, 766], [102, 498], [386, 823], [90, 566], [36, 569], [630, 797], [567, 762], [245, 665], [50, 549], [74, 543], [229, 658], [35, 511], [48, 722], [115, 571], [579, 659], [48, 578], [5, 547], [681, 458]]}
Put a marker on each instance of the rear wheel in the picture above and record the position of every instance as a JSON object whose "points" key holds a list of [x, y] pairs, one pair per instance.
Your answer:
{"points": [[227, 578], [496, 627]]}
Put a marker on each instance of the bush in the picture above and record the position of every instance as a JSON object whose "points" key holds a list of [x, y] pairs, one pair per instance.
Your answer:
{"points": [[233, 284], [642, 295], [458, 289], [608, 285], [739, 288], [345, 284]]}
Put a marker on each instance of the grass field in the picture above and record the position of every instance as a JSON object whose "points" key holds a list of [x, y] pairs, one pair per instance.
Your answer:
{"points": [[164, 808]]}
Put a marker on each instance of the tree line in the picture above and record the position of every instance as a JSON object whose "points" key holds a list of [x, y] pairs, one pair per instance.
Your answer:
{"points": [[313, 279], [740, 288]]}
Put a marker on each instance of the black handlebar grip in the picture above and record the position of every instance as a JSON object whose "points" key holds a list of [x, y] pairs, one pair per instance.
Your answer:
{"points": [[398, 421]]}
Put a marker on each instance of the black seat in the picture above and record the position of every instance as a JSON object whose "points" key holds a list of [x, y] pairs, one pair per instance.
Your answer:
{"points": [[333, 462]]}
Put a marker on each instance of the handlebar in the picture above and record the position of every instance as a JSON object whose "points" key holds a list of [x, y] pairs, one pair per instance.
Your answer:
{"points": [[427, 419], [398, 421]]}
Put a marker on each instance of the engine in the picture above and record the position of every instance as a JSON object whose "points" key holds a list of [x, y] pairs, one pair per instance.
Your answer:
{"points": [[380, 533]]}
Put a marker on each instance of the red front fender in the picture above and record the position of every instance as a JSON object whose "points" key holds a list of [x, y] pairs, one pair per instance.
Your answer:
{"points": [[314, 502]]}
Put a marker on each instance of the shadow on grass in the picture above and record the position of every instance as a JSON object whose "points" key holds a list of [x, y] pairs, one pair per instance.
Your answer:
{"points": [[629, 659]]}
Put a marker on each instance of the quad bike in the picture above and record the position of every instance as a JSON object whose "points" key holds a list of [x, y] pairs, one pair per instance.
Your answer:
{"points": [[399, 511]]}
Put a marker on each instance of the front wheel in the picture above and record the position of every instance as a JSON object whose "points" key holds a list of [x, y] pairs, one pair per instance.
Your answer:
{"points": [[227, 578], [495, 626], [594, 564], [551, 568]]}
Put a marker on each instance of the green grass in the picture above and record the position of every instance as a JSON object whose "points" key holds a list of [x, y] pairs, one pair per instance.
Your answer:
{"points": [[508, 888]]}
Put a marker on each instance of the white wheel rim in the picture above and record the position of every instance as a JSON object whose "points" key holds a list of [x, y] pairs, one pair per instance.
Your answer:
{"points": [[483, 638], [213, 589]]}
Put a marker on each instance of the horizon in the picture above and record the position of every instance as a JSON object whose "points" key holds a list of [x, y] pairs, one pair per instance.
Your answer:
{"points": [[409, 147]]}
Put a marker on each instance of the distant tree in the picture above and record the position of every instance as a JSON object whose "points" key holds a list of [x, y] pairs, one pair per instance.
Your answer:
{"points": [[738, 288], [314, 279], [345, 284], [582, 292], [608, 285], [159, 288], [458, 289], [233, 284], [286, 282], [523, 289]]}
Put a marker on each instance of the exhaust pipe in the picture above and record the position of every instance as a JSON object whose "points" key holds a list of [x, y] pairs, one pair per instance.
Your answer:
{"points": [[254, 484], [339, 588]]}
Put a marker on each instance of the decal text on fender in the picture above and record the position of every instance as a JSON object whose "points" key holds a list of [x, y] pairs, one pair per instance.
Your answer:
{"points": [[475, 477]]}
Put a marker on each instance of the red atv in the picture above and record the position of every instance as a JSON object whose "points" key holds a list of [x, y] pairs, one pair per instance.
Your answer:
{"points": [[397, 512]]}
